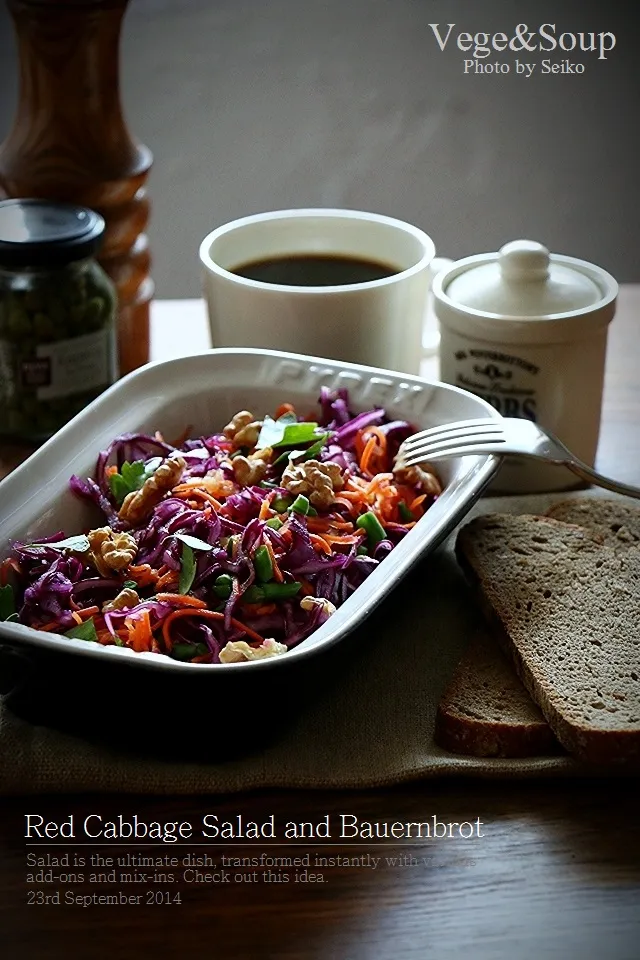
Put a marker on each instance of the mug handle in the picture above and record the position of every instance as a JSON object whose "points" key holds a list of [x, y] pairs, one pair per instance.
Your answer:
{"points": [[430, 330]]}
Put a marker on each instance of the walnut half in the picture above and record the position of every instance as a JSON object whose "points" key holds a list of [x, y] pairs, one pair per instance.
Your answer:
{"points": [[310, 603], [239, 651], [243, 429], [248, 472], [138, 505], [315, 480], [109, 551], [127, 598], [421, 476]]}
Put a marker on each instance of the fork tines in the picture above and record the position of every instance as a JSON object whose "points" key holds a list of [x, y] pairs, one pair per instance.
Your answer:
{"points": [[450, 439]]}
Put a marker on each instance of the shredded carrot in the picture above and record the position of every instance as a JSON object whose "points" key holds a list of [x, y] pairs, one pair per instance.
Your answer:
{"points": [[318, 524], [367, 454], [51, 625], [278, 575], [88, 612], [265, 508], [76, 617], [353, 510], [380, 435], [169, 579], [338, 524], [357, 483], [418, 500], [320, 543], [353, 496], [140, 637], [186, 493], [258, 609], [142, 575], [205, 658], [380, 480], [5, 567], [373, 459], [110, 471], [264, 609], [306, 589], [106, 639], [356, 538], [359, 443], [208, 615], [282, 409], [182, 599]]}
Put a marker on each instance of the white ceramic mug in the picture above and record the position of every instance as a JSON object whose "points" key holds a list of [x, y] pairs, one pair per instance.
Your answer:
{"points": [[380, 323]]}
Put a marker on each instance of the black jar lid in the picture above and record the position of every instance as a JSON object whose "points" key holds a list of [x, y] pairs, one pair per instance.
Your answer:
{"points": [[43, 233]]}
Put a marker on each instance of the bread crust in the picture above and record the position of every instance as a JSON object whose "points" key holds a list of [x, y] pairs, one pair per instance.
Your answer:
{"points": [[486, 712]]}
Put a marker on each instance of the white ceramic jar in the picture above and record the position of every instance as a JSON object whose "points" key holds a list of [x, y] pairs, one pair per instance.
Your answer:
{"points": [[527, 331]]}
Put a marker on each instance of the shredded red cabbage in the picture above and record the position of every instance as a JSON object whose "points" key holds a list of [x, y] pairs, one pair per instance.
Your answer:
{"points": [[243, 552]]}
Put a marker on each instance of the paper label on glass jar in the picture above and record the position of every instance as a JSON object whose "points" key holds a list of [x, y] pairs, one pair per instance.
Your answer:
{"points": [[67, 367]]}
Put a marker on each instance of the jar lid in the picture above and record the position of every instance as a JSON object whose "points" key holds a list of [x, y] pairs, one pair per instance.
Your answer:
{"points": [[523, 280], [43, 233]]}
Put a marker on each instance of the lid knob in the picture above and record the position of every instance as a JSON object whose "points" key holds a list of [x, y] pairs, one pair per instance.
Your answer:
{"points": [[524, 260]]}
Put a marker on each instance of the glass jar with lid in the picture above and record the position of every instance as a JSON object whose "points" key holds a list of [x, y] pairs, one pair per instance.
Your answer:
{"points": [[57, 316]]}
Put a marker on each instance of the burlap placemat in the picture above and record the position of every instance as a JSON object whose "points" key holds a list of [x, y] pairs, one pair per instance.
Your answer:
{"points": [[373, 727]]}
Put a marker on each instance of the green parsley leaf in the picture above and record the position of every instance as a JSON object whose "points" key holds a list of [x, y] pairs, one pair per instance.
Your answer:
{"points": [[292, 456], [193, 542], [286, 431], [297, 433], [132, 477], [83, 631], [129, 585], [187, 651], [78, 543], [7, 603], [295, 456], [316, 447], [187, 569]]}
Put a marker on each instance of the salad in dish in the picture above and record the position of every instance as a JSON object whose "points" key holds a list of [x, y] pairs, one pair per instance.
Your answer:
{"points": [[224, 548]]}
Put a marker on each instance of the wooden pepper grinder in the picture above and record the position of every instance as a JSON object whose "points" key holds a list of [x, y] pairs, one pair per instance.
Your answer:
{"points": [[69, 142]]}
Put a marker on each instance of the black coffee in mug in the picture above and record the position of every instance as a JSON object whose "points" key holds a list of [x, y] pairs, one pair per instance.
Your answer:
{"points": [[315, 270]]}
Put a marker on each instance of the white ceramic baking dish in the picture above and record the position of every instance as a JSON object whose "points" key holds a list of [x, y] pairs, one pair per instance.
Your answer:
{"points": [[203, 392]]}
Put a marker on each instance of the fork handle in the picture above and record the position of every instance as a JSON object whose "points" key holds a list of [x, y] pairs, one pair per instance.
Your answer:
{"points": [[592, 476]]}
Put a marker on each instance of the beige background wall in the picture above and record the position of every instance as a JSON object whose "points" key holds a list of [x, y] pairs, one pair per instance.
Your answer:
{"points": [[257, 104]]}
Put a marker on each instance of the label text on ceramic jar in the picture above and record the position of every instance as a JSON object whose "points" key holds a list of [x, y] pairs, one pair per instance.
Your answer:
{"points": [[507, 382]]}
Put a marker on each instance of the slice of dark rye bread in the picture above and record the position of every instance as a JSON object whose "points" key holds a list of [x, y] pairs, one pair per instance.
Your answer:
{"points": [[566, 608], [615, 521], [486, 712]]}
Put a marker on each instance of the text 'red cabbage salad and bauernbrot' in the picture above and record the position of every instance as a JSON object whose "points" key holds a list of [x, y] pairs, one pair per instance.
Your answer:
{"points": [[224, 548]]}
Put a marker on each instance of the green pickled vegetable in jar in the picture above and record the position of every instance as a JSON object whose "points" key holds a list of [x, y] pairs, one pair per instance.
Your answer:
{"points": [[57, 316]]}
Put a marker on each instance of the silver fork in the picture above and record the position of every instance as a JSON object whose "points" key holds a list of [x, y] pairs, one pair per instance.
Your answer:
{"points": [[507, 435]]}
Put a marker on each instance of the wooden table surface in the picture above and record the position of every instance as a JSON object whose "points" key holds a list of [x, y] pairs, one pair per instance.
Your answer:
{"points": [[555, 874]]}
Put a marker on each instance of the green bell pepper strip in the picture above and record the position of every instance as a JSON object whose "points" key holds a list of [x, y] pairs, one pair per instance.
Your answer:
{"points": [[301, 505], [372, 527], [271, 591], [263, 564], [405, 514], [223, 586]]}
